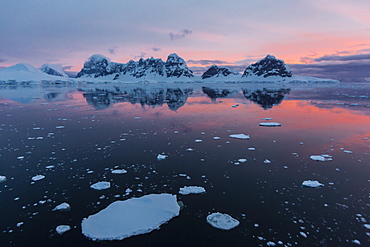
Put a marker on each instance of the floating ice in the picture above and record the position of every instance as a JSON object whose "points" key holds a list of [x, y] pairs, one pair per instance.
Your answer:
{"points": [[303, 234], [198, 140], [240, 136], [270, 243], [100, 185], [189, 149], [38, 177], [312, 184], [222, 221], [356, 241], [242, 160], [322, 157], [216, 138], [2, 178], [235, 105], [62, 229], [266, 161], [62, 207], [347, 151], [119, 171], [267, 118], [251, 149], [161, 156], [123, 219], [192, 190], [367, 226], [60, 127], [49, 167], [270, 124]]}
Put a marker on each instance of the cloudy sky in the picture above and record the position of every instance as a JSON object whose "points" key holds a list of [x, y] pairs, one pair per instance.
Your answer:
{"points": [[327, 38]]}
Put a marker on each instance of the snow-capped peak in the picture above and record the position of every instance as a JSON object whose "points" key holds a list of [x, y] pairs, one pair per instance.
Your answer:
{"points": [[53, 69], [22, 67]]}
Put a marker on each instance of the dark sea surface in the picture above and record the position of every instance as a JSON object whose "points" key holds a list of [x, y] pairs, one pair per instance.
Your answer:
{"points": [[86, 131]]}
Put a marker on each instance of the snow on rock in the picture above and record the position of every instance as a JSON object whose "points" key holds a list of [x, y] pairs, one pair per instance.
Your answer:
{"points": [[2, 178], [240, 136], [222, 221], [123, 219], [62, 207], [312, 184], [270, 124], [38, 177], [62, 229], [192, 190], [321, 157], [119, 171], [100, 185], [161, 156]]}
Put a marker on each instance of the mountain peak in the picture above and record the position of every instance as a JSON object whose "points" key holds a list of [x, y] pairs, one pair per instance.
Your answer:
{"points": [[215, 71], [53, 69], [268, 66]]}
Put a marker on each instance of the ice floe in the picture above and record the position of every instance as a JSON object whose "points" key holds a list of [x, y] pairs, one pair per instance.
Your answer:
{"points": [[119, 171], [62, 207], [62, 229], [222, 221], [100, 185], [2, 178], [37, 177], [321, 157], [123, 219], [312, 184], [270, 124], [240, 136], [198, 140], [266, 161], [192, 190], [161, 156]]}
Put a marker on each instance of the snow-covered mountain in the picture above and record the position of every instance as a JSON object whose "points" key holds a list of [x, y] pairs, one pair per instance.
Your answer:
{"points": [[53, 69], [215, 71], [100, 66], [268, 67]]}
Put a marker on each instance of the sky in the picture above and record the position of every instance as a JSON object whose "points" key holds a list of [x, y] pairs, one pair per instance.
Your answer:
{"points": [[324, 38]]}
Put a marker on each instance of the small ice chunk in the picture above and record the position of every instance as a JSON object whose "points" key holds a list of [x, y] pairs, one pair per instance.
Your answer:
{"points": [[189, 149], [312, 184], [123, 219], [322, 157], [355, 241], [100, 185], [251, 149], [198, 140], [270, 243], [192, 190], [347, 151], [303, 234], [216, 138], [62, 207], [240, 136], [242, 160], [50, 167], [235, 105], [19, 224], [161, 156], [2, 178], [137, 117], [60, 127], [38, 177], [270, 124], [267, 118], [266, 161], [119, 171], [222, 221], [367, 226], [62, 229]]}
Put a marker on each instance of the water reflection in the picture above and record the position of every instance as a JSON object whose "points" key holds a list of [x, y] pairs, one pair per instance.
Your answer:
{"points": [[104, 98], [217, 93], [267, 98]]}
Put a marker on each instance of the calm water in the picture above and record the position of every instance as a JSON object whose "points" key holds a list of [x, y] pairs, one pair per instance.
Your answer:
{"points": [[86, 131]]}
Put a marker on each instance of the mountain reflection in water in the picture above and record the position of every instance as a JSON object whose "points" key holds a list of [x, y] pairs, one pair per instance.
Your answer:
{"points": [[266, 98]]}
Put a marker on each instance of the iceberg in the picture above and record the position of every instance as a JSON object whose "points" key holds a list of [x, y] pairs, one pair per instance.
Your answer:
{"points": [[222, 221], [119, 171], [2, 178], [62, 207], [270, 124], [62, 229], [37, 177], [192, 190], [312, 184], [100, 185], [240, 136], [135, 216]]}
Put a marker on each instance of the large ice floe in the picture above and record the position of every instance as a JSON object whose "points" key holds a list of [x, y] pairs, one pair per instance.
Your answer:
{"points": [[222, 221], [312, 184], [240, 136], [192, 190], [62, 207], [100, 185], [38, 177], [62, 229], [135, 216], [321, 157]]}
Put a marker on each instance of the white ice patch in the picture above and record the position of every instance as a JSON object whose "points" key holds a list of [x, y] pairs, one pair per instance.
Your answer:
{"points": [[303, 234], [240, 136], [62, 207], [123, 219], [100, 185], [216, 138], [312, 184], [251, 149], [2, 178], [38, 177], [62, 229], [266, 161], [119, 171], [198, 140], [222, 221], [270, 124], [367, 226], [161, 156], [192, 190], [242, 160], [321, 157]]}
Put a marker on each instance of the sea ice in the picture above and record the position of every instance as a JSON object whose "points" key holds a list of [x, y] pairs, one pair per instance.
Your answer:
{"points": [[216, 138], [192, 190], [62, 207], [240, 136], [38, 177], [62, 229], [266, 161], [123, 219], [367, 226], [2, 178], [119, 171], [222, 221], [251, 149], [312, 184], [242, 160], [270, 124], [322, 157], [161, 156], [100, 185], [198, 140], [303, 234]]}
